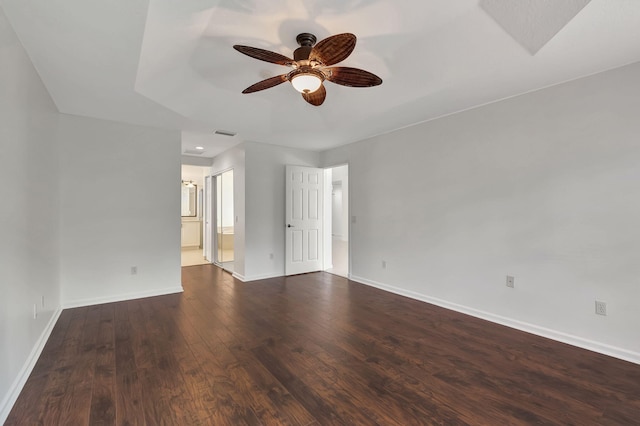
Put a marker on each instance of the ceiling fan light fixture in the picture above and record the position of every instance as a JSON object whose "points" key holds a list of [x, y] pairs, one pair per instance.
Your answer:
{"points": [[312, 66], [306, 82]]}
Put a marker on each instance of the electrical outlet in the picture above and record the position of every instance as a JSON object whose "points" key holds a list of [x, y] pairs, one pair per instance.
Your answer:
{"points": [[271, 256], [35, 311], [510, 281], [353, 219], [134, 270], [601, 308], [384, 264]]}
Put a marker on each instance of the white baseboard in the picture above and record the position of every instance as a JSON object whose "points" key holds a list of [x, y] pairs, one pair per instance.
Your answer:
{"points": [[16, 387], [255, 277], [559, 336], [121, 297]]}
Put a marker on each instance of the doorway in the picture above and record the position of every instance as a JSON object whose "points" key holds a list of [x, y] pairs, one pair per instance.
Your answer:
{"points": [[339, 219], [317, 220], [192, 209]]}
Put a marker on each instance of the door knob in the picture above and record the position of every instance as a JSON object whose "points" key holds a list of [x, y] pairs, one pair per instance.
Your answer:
{"points": [[289, 225]]}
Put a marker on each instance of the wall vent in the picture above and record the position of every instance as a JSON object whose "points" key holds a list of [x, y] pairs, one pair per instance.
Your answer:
{"points": [[224, 133]]}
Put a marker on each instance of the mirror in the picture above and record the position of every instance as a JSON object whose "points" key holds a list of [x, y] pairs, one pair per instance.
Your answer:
{"points": [[225, 223], [189, 199]]}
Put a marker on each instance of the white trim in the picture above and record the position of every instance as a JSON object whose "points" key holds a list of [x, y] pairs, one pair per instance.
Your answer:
{"points": [[559, 336], [14, 391], [238, 277], [121, 297], [256, 277]]}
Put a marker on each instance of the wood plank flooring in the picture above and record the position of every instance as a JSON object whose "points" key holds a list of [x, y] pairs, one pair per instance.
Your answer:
{"points": [[312, 349]]}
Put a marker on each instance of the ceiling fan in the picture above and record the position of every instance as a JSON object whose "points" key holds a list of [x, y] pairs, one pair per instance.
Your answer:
{"points": [[311, 65]]}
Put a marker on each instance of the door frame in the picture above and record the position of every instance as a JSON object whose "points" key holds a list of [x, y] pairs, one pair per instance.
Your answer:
{"points": [[328, 262]]}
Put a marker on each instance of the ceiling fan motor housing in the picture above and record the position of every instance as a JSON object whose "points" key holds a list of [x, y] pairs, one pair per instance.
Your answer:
{"points": [[306, 39], [306, 42]]}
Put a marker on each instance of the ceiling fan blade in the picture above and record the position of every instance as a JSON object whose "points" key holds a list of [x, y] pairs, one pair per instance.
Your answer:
{"points": [[265, 84], [264, 55], [316, 98], [333, 49], [352, 77]]}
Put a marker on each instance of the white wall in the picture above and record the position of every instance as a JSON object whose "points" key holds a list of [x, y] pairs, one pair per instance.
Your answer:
{"points": [[227, 215], [265, 204], [191, 160], [543, 187], [327, 226], [120, 207], [336, 210], [28, 216], [340, 220]]}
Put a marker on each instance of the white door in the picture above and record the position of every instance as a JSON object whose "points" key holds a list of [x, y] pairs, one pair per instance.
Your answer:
{"points": [[208, 219], [304, 194]]}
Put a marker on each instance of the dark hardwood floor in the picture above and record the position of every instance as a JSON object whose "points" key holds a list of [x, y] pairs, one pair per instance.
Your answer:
{"points": [[312, 349]]}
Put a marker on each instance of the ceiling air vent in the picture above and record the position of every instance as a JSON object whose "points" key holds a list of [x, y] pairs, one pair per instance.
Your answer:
{"points": [[224, 133]]}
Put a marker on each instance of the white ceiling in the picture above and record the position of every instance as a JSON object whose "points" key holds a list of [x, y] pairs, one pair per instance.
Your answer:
{"points": [[171, 63]]}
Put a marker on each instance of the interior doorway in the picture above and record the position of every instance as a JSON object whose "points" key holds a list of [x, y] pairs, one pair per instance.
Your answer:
{"points": [[192, 209], [337, 257]]}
